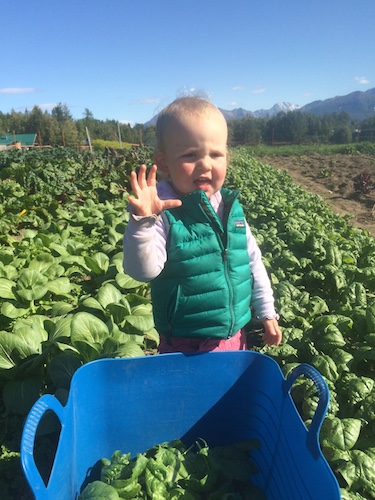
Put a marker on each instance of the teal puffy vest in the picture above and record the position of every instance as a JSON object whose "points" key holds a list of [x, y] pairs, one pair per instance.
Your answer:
{"points": [[204, 289]]}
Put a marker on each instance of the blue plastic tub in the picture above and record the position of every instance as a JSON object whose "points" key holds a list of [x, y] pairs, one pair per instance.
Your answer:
{"points": [[222, 397]]}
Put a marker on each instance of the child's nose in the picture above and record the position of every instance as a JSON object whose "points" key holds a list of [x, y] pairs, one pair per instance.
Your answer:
{"points": [[205, 163]]}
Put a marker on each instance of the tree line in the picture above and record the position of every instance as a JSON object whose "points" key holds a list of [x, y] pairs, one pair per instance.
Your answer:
{"points": [[58, 128]]}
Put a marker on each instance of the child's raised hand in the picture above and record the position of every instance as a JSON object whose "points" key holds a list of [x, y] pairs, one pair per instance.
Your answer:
{"points": [[272, 334], [146, 200]]}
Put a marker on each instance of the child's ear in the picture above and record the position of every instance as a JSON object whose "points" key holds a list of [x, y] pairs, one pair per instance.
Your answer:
{"points": [[159, 159]]}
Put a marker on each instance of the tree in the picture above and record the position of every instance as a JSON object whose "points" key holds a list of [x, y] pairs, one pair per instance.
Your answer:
{"points": [[342, 135], [69, 134], [15, 123], [61, 113], [244, 131], [67, 128]]}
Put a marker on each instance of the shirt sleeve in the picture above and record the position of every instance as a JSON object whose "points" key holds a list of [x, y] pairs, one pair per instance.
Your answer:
{"points": [[262, 299], [144, 247]]}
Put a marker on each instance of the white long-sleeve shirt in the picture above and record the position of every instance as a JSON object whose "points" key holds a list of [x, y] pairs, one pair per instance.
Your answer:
{"points": [[145, 252]]}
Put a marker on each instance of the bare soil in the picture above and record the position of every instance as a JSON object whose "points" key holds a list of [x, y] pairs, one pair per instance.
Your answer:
{"points": [[332, 177]]}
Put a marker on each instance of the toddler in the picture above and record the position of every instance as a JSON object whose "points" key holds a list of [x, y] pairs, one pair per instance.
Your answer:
{"points": [[188, 237]]}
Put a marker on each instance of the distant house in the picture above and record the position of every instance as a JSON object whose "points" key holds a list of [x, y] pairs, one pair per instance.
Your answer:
{"points": [[18, 140]]}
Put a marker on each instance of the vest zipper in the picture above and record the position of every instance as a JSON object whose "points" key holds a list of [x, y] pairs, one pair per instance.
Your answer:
{"points": [[230, 291], [224, 241], [222, 234]]}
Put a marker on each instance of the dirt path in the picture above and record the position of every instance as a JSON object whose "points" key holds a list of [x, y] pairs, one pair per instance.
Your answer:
{"points": [[333, 178]]}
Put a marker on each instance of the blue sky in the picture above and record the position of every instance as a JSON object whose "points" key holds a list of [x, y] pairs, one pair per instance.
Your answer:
{"points": [[126, 59]]}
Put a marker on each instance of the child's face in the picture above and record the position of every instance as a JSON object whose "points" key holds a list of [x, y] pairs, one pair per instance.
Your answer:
{"points": [[195, 153]]}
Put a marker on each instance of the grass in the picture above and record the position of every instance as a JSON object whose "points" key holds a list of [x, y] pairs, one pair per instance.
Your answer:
{"points": [[320, 149], [100, 145]]}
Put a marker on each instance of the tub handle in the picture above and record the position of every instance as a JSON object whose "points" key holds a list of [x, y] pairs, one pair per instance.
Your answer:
{"points": [[44, 403], [323, 402]]}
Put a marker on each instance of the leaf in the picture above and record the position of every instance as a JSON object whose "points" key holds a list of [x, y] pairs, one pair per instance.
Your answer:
{"points": [[367, 408], [129, 350], [14, 349], [8, 271], [126, 282], [354, 388], [8, 342], [61, 308], [317, 306], [36, 322], [42, 262], [153, 335], [343, 359], [359, 473], [119, 312], [13, 310], [61, 329], [98, 263], [88, 328], [234, 460], [155, 481], [97, 490], [6, 289], [87, 351], [128, 489], [113, 236], [62, 368], [108, 294], [370, 319], [32, 337], [326, 366], [92, 303], [340, 433], [20, 395], [31, 285], [329, 338], [60, 286], [141, 322]]}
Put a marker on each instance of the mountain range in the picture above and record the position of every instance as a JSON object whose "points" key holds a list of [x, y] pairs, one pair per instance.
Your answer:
{"points": [[358, 105]]}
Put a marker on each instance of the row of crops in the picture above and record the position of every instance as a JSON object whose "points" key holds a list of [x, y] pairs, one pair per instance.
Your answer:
{"points": [[65, 300]]}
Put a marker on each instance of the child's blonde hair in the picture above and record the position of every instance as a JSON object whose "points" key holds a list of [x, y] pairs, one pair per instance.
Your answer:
{"points": [[180, 107]]}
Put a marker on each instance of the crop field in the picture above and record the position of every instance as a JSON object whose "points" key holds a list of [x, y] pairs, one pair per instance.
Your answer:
{"points": [[65, 300], [343, 177]]}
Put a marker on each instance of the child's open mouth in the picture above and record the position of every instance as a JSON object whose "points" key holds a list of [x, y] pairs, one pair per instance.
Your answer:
{"points": [[203, 183]]}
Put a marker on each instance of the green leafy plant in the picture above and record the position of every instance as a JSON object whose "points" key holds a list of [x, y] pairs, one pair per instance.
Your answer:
{"points": [[172, 471], [65, 300]]}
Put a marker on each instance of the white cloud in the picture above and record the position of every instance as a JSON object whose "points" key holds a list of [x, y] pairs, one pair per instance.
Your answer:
{"points": [[362, 80], [15, 90], [259, 90], [232, 104], [236, 88]]}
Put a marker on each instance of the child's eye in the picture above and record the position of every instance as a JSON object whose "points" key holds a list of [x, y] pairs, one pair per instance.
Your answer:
{"points": [[188, 155]]}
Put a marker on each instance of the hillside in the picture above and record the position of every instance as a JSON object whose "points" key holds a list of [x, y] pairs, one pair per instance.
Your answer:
{"points": [[359, 106]]}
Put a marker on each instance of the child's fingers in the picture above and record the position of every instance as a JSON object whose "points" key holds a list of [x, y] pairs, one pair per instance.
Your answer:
{"points": [[273, 338], [171, 204], [272, 334], [141, 179], [151, 179], [134, 181]]}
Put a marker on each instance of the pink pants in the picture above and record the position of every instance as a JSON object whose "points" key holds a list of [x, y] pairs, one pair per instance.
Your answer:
{"points": [[185, 344]]}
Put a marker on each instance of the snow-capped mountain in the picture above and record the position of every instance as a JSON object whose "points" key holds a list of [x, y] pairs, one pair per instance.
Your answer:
{"points": [[358, 105], [236, 114], [279, 107]]}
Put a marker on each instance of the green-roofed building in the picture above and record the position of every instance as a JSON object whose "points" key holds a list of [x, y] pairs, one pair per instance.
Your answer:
{"points": [[25, 140]]}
